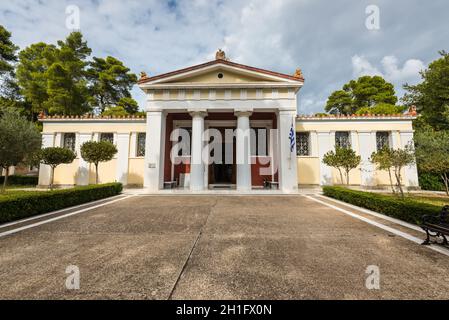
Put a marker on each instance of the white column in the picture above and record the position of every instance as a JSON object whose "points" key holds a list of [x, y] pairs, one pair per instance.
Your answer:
{"points": [[82, 178], [122, 157], [197, 165], [243, 150], [48, 140], [288, 164], [154, 155], [411, 172], [367, 145], [325, 145]]}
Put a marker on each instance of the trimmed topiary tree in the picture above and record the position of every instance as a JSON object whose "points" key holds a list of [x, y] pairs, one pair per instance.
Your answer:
{"points": [[54, 156], [96, 152], [344, 159]]}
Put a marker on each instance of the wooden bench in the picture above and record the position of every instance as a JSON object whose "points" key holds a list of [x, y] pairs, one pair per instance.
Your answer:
{"points": [[436, 226], [267, 184], [170, 184]]}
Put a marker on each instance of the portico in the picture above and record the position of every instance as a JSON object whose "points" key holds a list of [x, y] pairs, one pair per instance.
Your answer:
{"points": [[238, 104]]}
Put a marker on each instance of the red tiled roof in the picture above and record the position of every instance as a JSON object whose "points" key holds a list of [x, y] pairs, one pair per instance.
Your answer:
{"points": [[146, 79], [356, 117], [90, 117]]}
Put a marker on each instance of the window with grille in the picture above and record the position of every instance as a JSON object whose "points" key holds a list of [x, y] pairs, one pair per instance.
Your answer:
{"points": [[140, 150], [69, 141], [107, 136], [382, 140], [303, 143], [342, 139]]}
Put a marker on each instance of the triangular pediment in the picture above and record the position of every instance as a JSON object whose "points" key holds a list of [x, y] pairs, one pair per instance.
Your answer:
{"points": [[220, 72]]}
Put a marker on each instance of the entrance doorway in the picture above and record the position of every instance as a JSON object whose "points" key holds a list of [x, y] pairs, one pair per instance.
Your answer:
{"points": [[223, 174]]}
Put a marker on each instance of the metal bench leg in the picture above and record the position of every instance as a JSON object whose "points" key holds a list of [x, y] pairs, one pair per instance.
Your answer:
{"points": [[427, 241], [444, 240]]}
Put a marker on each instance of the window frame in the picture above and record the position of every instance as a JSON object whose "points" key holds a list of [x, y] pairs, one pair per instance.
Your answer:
{"points": [[255, 150], [100, 138], [139, 147], [338, 139], [387, 142], [299, 150], [64, 141]]}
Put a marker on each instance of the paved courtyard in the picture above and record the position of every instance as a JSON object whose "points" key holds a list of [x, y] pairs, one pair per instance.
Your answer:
{"points": [[216, 247]]}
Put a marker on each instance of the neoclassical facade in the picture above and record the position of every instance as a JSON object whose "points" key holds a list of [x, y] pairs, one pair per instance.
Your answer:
{"points": [[243, 116]]}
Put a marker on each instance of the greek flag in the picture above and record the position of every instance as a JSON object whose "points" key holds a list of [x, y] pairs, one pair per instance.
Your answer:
{"points": [[291, 136]]}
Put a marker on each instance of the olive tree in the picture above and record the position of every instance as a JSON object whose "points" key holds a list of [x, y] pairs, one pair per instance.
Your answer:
{"points": [[344, 159], [96, 152], [401, 158], [54, 156], [20, 139], [383, 161]]}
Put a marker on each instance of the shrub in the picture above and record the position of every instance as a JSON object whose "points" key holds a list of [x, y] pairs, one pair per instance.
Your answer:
{"points": [[96, 152], [21, 205], [54, 156], [17, 180], [430, 181], [401, 208]]}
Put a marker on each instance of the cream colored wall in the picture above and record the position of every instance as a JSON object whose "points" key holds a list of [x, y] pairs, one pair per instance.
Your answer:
{"points": [[212, 77], [136, 169], [309, 167], [219, 94], [308, 170], [66, 174]]}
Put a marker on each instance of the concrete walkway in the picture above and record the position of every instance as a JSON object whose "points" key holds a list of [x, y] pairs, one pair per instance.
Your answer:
{"points": [[217, 247]]}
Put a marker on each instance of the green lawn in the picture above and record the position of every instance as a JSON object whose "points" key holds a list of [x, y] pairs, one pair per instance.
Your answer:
{"points": [[438, 200]]}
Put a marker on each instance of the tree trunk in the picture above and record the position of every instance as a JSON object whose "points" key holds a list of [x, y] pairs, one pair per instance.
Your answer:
{"points": [[446, 182], [52, 174], [5, 181], [397, 173], [347, 177], [341, 176], [391, 181], [96, 173]]}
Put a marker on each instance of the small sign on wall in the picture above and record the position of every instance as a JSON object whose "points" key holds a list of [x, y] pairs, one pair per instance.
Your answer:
{"points": [[151, 165]]}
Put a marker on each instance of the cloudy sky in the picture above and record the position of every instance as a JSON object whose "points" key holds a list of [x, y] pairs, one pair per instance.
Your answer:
{"points": [[328, 40]]}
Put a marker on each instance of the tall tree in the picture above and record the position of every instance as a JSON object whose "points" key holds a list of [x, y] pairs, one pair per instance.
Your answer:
{"points": [[66, 77], [364, 92], [96, 152], [431, 96], [432, 153], [344, 159], [34, 62], [19, 140], [9, 90], [111, 83]]}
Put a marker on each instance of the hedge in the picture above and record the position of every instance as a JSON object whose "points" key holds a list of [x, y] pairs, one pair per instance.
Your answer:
{"points": [[433, 182], [19, 205], [16, 180], [404, 209]]}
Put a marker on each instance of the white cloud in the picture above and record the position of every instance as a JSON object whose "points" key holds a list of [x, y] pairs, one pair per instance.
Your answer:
{"points": [[391, 70], [320, 37]]}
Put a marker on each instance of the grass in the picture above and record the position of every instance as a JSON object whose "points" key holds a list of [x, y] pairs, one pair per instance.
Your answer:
{"points": [[435, 199]]}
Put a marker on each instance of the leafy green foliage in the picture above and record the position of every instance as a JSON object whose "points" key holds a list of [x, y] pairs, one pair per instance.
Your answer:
{"points": [[117, 111], [344, 159], [19, 140], [26, 204], [431, 96], [18, 180], [8, 58], [382, 108], [60, 79], [54, 156], [383, 159], [429, 181], [96, 152], [405, 209], [111, 83], [432, 153], [364, 92]]}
